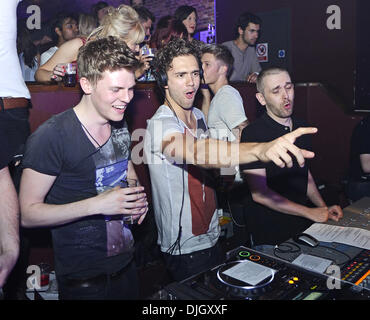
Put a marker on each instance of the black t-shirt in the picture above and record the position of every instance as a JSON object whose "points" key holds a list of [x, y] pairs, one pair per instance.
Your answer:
{"points": [[60, 148], [269, 226], [360, 144]]}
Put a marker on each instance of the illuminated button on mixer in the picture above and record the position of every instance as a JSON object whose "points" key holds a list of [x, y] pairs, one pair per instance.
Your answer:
{"points": [[255, 258], [244, 254]]}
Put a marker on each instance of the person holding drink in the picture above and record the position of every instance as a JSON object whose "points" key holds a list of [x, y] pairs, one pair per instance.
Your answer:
{"points": [[74, 169], [70, 78], [122, 22]]}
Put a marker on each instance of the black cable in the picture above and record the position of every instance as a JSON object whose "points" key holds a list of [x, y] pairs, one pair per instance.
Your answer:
{"points": [[177, 243], [232, 217], [97, 149], [294, 248], [194, 236], [291, 248]]}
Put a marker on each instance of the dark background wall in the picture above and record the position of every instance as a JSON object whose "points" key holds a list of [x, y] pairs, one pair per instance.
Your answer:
{"points": [[339, 59], [362, 75], [317, 53]]}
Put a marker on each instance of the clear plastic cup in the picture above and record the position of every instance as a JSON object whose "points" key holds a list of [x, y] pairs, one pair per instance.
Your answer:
{"points": [[130, 218]]}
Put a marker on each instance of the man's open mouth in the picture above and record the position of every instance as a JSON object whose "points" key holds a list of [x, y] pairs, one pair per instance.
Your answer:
{"points": [[190, 94]]}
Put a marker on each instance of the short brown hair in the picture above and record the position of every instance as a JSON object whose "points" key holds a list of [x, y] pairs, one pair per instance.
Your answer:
{"points": [[104, 54], [221, 53], [267, 72]]}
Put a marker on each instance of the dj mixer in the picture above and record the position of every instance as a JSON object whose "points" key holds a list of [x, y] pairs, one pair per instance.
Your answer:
{"points": [[357, 271], [253, 275]]}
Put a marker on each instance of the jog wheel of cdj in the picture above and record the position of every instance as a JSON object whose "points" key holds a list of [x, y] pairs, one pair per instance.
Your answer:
{"points": [[239, 288]]}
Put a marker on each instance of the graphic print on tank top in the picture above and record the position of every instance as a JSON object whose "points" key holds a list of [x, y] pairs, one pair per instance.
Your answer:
{"points": [[111, 168]]}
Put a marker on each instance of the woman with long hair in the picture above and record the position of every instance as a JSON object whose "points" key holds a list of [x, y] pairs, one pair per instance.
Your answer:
{"points": [[188, 16], [28, 54]]}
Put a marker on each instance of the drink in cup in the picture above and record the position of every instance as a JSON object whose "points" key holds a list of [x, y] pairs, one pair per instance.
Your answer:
{"points": [[130, 218], [69, 78]]}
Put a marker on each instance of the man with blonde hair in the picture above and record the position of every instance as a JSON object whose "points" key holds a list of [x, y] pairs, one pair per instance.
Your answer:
{"points": [[73, 169]]}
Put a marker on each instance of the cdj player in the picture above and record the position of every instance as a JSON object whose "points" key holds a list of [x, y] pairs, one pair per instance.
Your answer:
{"points": [[250, 274]]}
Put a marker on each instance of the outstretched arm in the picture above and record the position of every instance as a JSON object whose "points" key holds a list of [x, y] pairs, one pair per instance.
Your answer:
{"points": [[211, 153], [53, 68]]}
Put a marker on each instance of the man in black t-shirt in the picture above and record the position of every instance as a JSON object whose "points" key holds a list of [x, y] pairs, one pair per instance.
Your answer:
{"points": [[73, 168], [279, 204]]}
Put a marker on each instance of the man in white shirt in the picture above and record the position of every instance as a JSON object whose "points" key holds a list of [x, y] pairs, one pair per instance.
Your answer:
{"points": [[65, 28], [225, 119], [14, 130], [226, 116], [177, 150]]}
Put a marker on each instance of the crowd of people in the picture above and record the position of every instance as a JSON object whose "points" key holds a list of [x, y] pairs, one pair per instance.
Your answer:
{"points": [[44, 53], [70, 172]]}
